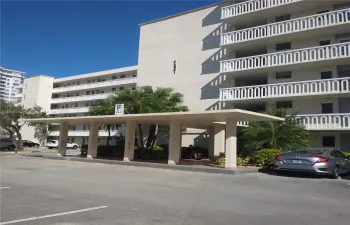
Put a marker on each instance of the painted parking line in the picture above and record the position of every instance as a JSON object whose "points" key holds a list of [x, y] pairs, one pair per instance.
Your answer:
{"points": [[4, 188], [52, 215]]}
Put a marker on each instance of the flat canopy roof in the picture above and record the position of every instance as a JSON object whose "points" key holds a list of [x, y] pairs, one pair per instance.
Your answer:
{"points": [[204, 119]]}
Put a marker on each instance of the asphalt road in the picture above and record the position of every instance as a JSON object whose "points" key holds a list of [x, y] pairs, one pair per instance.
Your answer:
{"points": [[45, 191]]}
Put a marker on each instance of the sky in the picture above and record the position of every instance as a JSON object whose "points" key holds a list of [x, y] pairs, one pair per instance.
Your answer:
{"points": [[65, 38]]}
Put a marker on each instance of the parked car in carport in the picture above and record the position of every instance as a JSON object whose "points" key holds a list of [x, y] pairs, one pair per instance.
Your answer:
{"points": [[7, 143], [330, 162], [54, 144], [27, 143]]}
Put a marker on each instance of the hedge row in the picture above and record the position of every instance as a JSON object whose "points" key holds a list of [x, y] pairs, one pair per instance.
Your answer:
{"points": [[157, 153]]}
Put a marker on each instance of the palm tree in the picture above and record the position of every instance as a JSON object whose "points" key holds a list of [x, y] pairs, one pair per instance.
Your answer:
{"points": [[281, 135], [164, 100], [146, 100], [135, 101], [103, 107]]}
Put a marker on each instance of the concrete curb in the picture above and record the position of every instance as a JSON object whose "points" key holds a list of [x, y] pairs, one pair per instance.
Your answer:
{"points": [[154, 165]]}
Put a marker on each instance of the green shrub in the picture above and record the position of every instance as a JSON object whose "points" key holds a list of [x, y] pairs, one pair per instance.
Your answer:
{"points": [[221, 161], [106, 151], [347, 153], [265, 157], [157, 153]]}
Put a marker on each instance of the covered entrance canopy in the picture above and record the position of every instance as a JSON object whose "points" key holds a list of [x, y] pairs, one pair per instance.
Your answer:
{"points": [[226, 119]]}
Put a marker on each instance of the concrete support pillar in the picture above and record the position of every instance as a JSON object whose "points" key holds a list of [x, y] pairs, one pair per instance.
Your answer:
{"points": [[211, 133], [174, 143], [62, 145], [93, 141], [231, 143], [219, 139], [129, 141]]}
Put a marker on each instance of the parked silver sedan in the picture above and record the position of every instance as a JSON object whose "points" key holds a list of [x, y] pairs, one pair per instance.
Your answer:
{"points": [[329, 162]]}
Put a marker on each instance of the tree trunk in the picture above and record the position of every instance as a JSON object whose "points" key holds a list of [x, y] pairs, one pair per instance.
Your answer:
{"points": [[155, 136], [151, 133], [141, 135], [109, 134], [19, 144]]}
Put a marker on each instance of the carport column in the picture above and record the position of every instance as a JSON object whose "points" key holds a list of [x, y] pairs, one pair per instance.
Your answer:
{"points": [[219, 139], [174, 142], [129, 141], [231, 143], [93, 141], [62, 145], [211, 134]]}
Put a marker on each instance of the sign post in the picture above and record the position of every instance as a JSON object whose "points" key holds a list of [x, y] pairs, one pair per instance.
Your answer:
{"points": [[119, 109]]}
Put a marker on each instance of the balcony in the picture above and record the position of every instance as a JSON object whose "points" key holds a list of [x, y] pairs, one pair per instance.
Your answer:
{"points": [[334, 86], [85, 133], [69, 110], [304, 27], [108, 83], [333, 121], [81, 98], [289, 60], [252, 6]]}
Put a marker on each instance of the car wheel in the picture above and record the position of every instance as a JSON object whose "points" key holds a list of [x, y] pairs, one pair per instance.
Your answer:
{"points": [[75, 147], [335, 173], [11, 148]]}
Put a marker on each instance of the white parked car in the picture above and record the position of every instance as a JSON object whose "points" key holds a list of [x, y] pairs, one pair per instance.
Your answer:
{"points": [[54, 144]]}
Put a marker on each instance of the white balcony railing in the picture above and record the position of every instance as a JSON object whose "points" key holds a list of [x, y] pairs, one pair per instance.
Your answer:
{"points": [[333, 121], [305, 55], [280, 90], [251, 6], [81, 98], [85, 133], [108, 83], [287, 27], [70, 110]]}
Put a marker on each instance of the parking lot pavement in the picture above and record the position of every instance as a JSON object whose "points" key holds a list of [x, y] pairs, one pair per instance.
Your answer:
{"points": [[43, 191]]}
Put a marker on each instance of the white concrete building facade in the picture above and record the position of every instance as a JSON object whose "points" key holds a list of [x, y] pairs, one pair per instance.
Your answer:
{"points": [[255, 55]]}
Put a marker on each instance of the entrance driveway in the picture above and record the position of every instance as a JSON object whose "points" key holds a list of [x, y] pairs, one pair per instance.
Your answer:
{"points": [[44, 191]]}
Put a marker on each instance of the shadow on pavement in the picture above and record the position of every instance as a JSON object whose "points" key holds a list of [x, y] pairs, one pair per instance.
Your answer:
{"points": [[304, 175]]}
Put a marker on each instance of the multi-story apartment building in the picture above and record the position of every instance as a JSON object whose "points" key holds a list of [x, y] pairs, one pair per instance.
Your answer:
{"points": [[256, 55], [10, 80], [72, 96]]}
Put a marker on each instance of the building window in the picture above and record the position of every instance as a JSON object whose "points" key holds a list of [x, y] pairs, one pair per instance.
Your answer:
{"points": [[122, 76], [282, 18], [284, 105], [114, 77], [284, 75], [327, 108], [121, 88], [99, 80], [88, 93], [88, 81], [75, 104], [325, 42], [102, 92], [134, 75], [326, 75], [283, 46], [174, 66], [328, 141], [92, 92], [103, 80], [113, 89]]}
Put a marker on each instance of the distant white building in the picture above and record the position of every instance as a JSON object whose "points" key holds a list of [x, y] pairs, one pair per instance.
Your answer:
{"points": [[10, 80]]}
